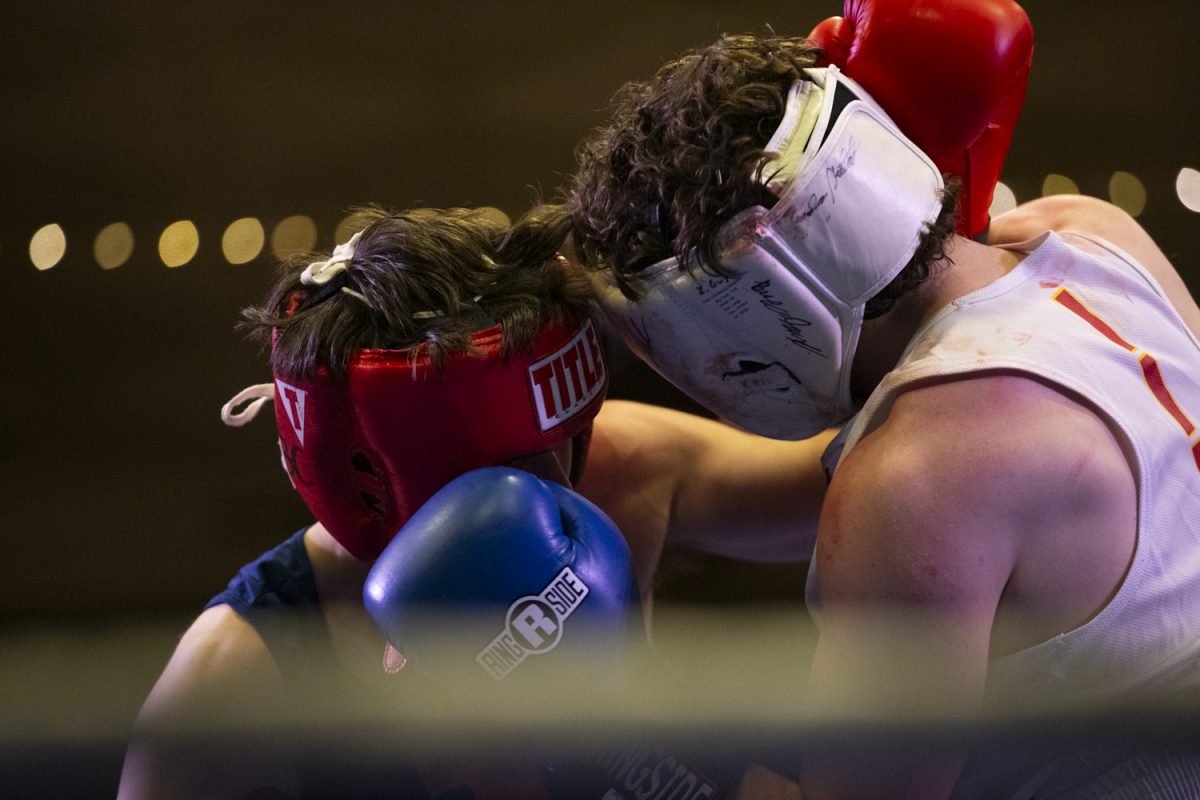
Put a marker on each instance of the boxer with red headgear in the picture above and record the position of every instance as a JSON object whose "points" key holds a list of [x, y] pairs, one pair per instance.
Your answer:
{"points": [[496, 400], [409, 365], [430, 345], [1015, 494]]}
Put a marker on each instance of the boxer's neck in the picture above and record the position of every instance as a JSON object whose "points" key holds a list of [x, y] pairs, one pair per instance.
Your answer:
{"points": [[968, 267]]}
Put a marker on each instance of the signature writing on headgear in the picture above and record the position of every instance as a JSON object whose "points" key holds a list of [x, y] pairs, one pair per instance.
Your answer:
{"points": [[793, 325], [801, 211], [843, 161]]}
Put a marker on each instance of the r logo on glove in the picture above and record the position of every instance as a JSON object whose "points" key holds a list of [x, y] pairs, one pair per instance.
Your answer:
{"points": [[519, 567], [535, 624]]}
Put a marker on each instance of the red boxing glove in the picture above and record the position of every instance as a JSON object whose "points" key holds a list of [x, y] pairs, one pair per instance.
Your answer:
{"points": [[952, 75]]}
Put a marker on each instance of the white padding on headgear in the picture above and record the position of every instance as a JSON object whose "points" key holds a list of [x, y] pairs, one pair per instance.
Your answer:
{"points": [[319, 273], [770, 348], [254, 397]]}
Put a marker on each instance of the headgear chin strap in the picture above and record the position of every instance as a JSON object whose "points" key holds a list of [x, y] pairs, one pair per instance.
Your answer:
{"points": [[367, 450], [770, 348]]}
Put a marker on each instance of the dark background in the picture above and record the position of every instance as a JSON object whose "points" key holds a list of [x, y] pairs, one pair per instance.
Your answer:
{"points": [[123, 495]]}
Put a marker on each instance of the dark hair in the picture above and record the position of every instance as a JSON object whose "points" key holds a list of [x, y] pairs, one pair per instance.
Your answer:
{"points": [[428, 277], [931, 249], [683, 154]]}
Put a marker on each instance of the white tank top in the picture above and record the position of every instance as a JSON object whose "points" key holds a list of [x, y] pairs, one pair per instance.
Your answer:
{"points": [[1081, 313]]}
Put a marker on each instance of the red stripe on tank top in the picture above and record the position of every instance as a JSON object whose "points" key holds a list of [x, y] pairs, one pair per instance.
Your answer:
{"points": [[1070, 301], [1158, 386], [1150, 370]]}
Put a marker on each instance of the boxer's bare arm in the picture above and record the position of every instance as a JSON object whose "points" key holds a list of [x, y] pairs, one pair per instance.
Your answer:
{"points": [[662, 474], [1093, 216], [933, 524], [221, 670]]}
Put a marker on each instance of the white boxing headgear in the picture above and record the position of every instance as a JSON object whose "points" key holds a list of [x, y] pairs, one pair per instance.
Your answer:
{"points": [[770, 347]]}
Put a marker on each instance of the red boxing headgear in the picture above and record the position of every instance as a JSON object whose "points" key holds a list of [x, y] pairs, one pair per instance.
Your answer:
{"points": [[366, 451]]}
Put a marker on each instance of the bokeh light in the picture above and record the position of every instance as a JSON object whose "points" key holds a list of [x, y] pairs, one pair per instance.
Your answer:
{"points": [[113, 245], [1187, 186], [1127, 191], [178, 243], [1003, 199], [349, 225], [296, 234], [243, 240], [496, 215], [47, 246], [1058, 184]]}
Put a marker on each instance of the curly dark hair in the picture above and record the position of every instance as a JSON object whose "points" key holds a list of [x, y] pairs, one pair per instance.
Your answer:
{"points": [[428, 277], [683, 154], [931, 250]]}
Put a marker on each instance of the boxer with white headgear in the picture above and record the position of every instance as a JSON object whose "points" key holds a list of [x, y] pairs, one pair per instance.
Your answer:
{"points": [[717, 133], [767, 342], [1013, 515]]}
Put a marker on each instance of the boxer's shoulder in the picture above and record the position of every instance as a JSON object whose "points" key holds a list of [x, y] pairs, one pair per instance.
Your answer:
{"points": [[1020, 428], [662, 473], [1052, 213], [220, 654], [643, 452], [970, 479], [1079, 214], [627, 447], [221, 674], [1097, 218]]}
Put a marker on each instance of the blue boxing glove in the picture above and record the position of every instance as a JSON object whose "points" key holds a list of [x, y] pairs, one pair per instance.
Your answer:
{"points": [[502, 574]]}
